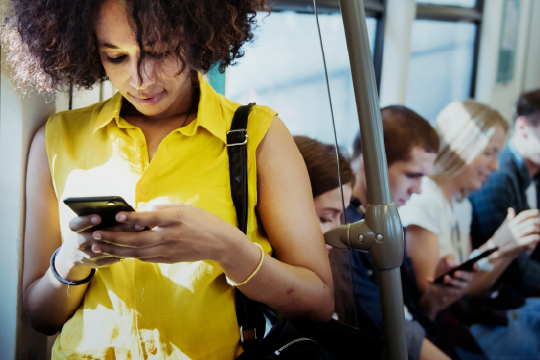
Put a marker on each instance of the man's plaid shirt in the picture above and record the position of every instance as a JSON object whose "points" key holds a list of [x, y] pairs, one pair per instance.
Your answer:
{"points": [[506, 188]]}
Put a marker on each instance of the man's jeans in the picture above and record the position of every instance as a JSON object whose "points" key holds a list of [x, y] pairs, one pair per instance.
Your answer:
{"points": [[520, 340]]}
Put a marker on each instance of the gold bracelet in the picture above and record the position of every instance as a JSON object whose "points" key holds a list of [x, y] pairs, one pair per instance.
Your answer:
{"points": [[232, 283]]}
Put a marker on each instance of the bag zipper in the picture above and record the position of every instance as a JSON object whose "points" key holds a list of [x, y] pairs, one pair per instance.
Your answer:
{"points": [[278, 351]]}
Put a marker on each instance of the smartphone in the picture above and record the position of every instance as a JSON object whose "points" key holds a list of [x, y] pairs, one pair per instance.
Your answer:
{"points": [[466, 266], [105, 206]]}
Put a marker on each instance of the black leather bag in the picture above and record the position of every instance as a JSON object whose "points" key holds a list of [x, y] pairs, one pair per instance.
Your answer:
{"points": [[264, 334]]}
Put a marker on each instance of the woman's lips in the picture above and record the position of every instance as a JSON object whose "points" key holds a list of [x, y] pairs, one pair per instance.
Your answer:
{"points": [[149, 100]]}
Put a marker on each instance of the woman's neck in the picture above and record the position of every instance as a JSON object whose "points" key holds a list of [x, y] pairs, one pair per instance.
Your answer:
{"points": [[449, 188]]}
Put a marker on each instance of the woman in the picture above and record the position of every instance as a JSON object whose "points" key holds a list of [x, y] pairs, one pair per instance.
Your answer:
{"points": [[438, 220], [323, 172], [160, 143], [326, 175]]}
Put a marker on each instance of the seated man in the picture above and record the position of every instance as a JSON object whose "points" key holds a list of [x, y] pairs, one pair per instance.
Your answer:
{"points": [[322, 168], [411, 145], [513, 185]]}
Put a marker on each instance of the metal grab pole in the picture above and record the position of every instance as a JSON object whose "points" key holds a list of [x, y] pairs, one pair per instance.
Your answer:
{"points": [[382, 219]]}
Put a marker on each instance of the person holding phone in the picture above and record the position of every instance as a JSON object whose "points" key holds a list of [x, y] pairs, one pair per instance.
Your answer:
{"points": [[160, 143], [438, 220], [515, 184]]}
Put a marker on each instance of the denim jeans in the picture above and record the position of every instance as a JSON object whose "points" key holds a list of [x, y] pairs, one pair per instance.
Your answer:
{"points": [[520, 340]]}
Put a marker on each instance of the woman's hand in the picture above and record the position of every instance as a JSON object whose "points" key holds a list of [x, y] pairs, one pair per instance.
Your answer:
{"points": [[440, 296], [517, 233], [76, 258], [179, 233]]}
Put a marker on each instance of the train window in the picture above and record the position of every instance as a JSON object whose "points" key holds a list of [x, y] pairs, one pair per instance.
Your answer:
{"points": [[440, 65], [284, 70], [462, 3]]}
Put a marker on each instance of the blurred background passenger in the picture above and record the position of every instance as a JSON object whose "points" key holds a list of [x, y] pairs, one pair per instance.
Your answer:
{"points": [[438, 220], [411, 144], [513, 185], [323, 173]]}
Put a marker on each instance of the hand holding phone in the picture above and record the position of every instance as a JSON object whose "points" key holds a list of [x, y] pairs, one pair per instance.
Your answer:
{"points": [[76, 258], [105, 206], [466, 266]]}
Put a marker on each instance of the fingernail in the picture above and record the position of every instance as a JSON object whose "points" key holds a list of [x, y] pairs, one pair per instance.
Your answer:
{"points": [[139, 227], [97, 236], [96, 249], [94, 220], [122, 217]]}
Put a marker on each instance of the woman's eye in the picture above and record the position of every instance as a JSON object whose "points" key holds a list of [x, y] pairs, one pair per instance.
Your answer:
{"points": [[324, 220], [116, 60]]}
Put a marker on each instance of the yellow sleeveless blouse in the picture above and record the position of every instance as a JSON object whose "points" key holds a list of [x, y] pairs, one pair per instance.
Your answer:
{"points": [[138, 310]]}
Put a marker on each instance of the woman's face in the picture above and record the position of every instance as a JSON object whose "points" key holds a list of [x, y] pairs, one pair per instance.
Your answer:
{"points": [[159, 87], [477, 172], [329, 208]]}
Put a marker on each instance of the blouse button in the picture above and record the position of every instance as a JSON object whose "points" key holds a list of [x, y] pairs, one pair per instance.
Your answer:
{"points": [[143, 189], [139, 142]]}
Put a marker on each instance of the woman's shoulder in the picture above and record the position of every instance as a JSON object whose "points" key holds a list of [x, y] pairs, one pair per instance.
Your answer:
{"points": [[76, 119], [259, 120], [258, 115], [430, 197], [425, 208]]}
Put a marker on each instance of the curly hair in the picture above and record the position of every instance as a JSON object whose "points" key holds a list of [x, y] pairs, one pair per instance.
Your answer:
{"points": [[52, 45]]}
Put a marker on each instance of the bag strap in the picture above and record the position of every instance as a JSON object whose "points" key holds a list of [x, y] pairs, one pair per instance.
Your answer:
{"points": [[237, 137]]}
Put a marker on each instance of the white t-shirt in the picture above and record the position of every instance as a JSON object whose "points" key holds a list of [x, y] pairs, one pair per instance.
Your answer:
{"points": [[431, 211]]}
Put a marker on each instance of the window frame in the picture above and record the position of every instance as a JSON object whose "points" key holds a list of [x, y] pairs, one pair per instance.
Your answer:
{"points": [[373, 8], [451, 13]]}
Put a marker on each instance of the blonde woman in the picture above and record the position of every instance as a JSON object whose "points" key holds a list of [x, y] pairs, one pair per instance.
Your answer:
{"points": [[438, 220]]}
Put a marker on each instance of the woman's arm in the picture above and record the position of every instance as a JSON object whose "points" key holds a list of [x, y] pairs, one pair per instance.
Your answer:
{"points": [[45, 299], [298, 282], [300, 278], [483, 280], [431, 352], [423, 249], [47, 302]]}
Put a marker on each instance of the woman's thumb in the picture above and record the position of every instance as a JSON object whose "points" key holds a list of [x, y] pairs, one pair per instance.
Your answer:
{"points": [[511, 213]]}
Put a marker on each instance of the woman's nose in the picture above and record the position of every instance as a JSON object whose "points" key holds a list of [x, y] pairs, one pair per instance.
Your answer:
{"points": [[416, 187], [142, 79]]}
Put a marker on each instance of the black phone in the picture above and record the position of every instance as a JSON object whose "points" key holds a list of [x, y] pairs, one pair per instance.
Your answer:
{"points": [[105, 206], [467, 265]]}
